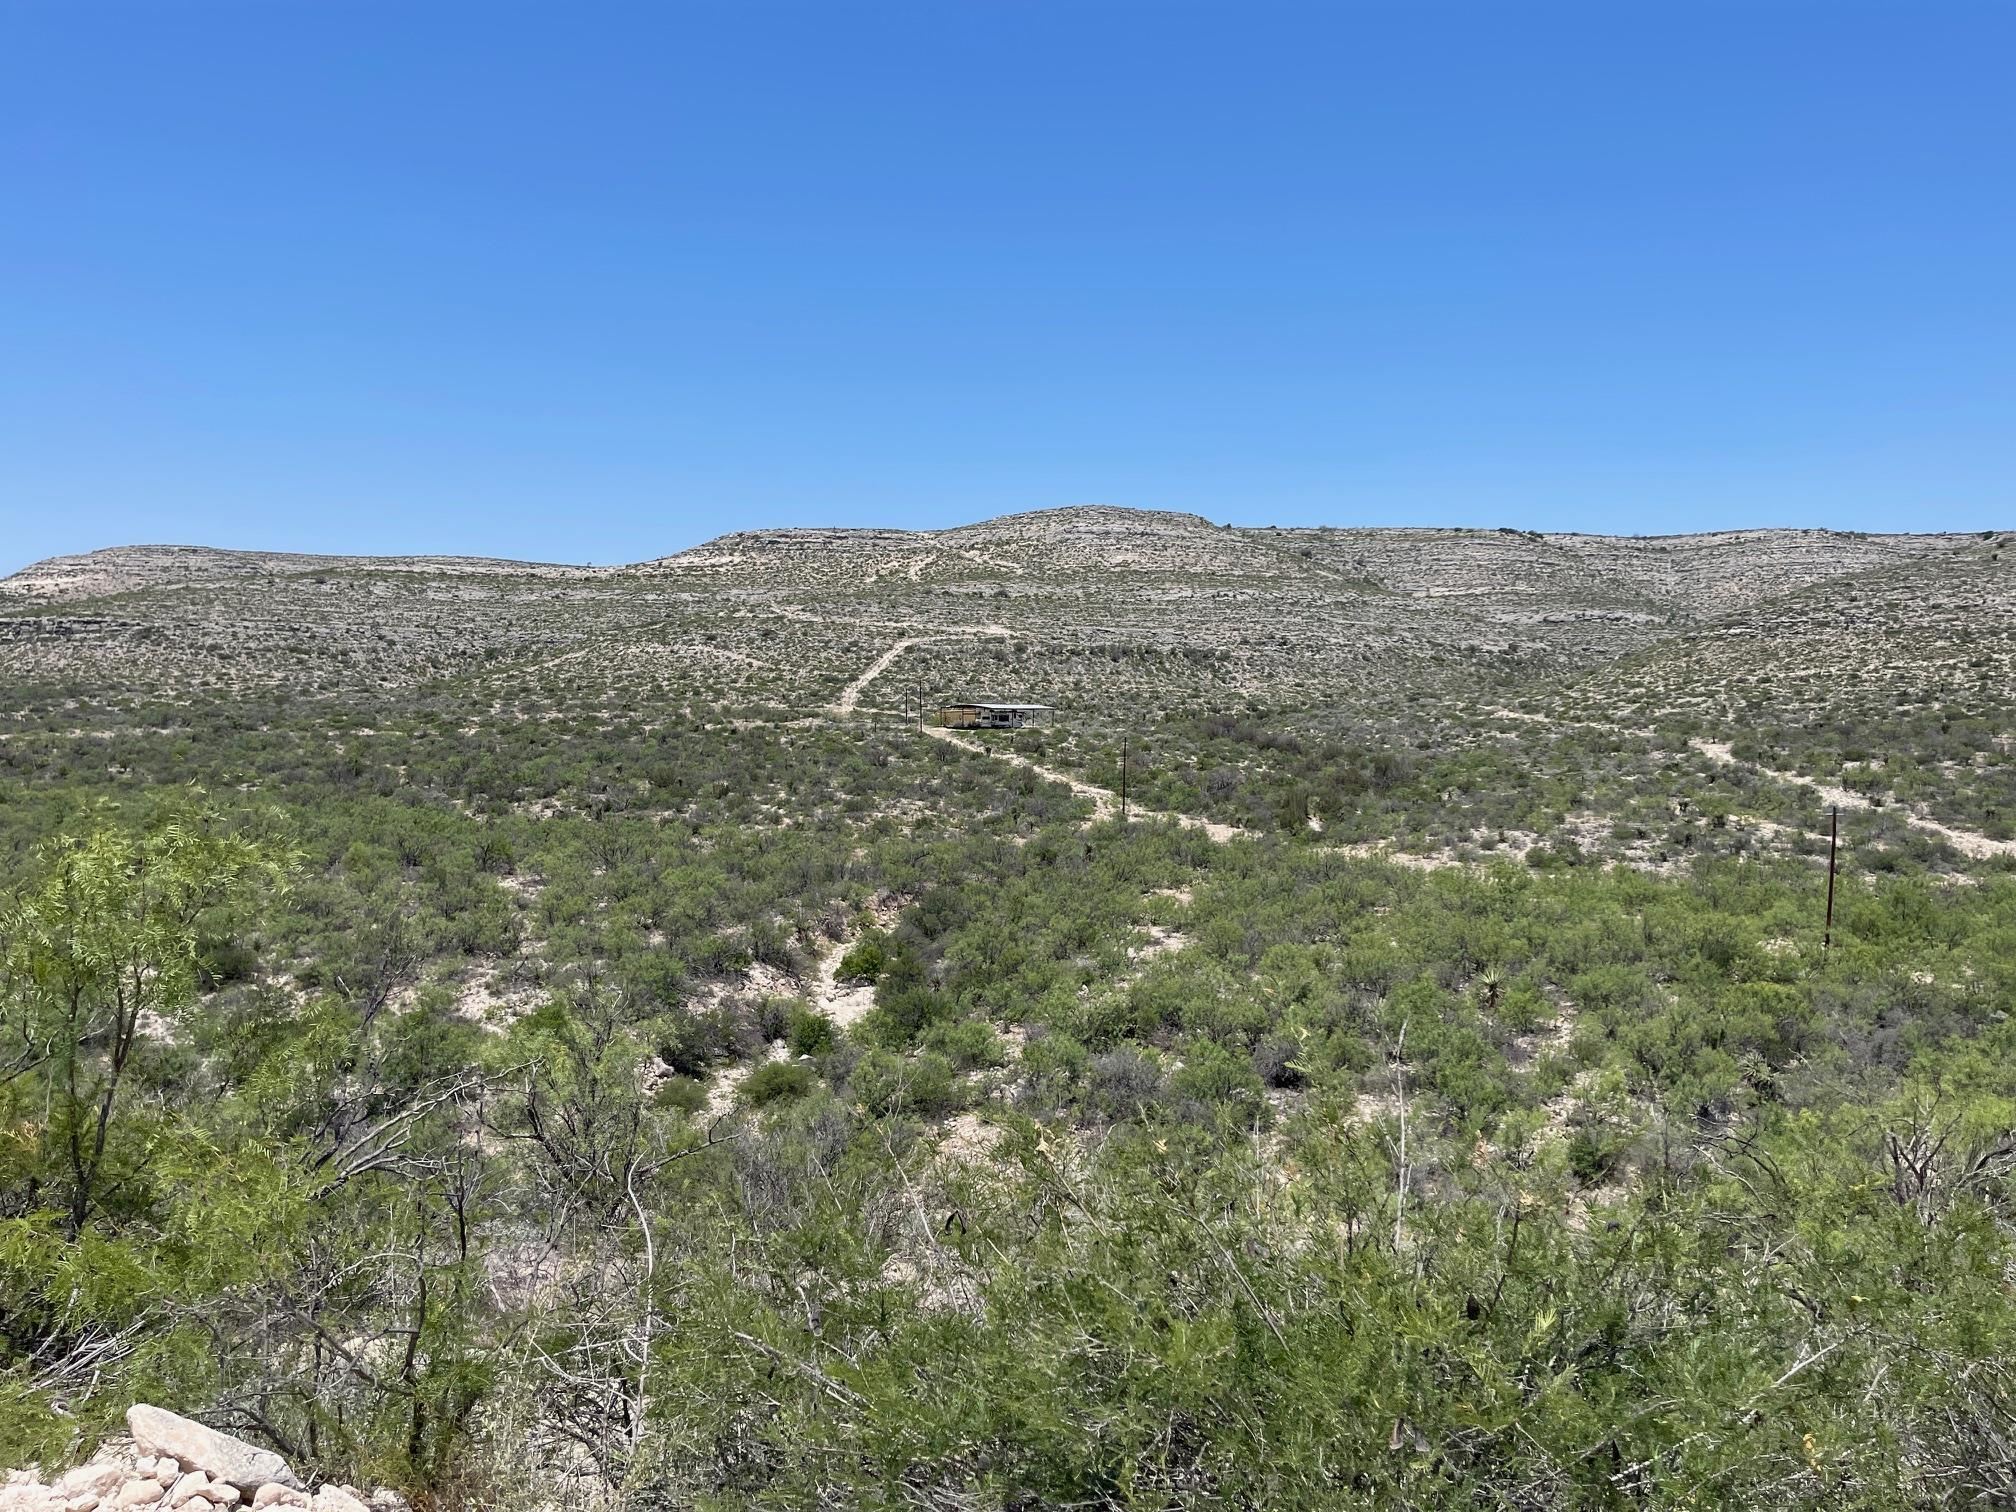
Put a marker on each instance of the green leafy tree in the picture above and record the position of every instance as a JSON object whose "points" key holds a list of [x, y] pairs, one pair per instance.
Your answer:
{"points": [[100, 953]]}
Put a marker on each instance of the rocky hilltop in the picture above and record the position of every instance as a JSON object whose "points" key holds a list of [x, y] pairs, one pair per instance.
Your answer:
{"points": [[1090, 606], [129, 569]]}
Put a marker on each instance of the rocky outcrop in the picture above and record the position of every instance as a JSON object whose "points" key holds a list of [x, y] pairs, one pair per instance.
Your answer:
{"points": [[195, 1447], [176, 1462]]}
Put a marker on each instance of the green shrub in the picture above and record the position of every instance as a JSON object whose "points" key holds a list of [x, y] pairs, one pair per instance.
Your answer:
{"points": [[905, 1004], [808, 1031], [776, 1081], [970, 1045], [1220, 1080], [684, 1094], [865, 960], [922, 1085], [691, 1041], [773, 1016]]}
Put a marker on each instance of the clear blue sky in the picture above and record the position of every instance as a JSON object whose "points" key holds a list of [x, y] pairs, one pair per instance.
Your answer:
{"points": [[592, 282]]}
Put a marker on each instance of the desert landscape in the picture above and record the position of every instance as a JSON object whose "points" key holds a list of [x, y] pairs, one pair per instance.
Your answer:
{"points": [[562, 1036], [1091, 757]]}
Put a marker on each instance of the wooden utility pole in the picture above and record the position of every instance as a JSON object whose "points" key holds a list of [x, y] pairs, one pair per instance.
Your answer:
{"points": [[1123, 779], [1833, 845]]}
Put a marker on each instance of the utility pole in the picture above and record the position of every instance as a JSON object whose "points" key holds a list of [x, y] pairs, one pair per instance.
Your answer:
{"points": [[1123, 779], [1833, 845]]}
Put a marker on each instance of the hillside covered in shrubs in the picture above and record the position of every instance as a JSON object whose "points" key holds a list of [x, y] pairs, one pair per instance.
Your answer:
{"points": [[511, 1082]]}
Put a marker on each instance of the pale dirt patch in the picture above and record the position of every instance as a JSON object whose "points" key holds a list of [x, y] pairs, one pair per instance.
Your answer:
{"points": [[967, 1140], [149, 1024], [1222, 833], [1369, 1108], [759, 981], [911, 567], [1771, 830], [721, 1095], [980, 558], [1161, 941], [721, 1092], [1561, 1108], [487, 1000], [1555, 722], [1547, 1039], [1586, 1206], [770, 981], [845, 1003], [1383, 850], [1969, 843]]}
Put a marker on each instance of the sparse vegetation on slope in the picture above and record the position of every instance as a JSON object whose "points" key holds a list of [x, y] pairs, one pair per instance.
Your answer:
{"points": [[535, 1034]]}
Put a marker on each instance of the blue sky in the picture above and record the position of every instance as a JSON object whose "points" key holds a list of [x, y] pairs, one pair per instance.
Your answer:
{"points": [[596, 282]]}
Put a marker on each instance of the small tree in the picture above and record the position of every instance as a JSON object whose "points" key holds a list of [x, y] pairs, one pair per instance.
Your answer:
{"points": [[100, 953]]}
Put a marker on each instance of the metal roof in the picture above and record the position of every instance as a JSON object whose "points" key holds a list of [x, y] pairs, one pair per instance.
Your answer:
{"points": [[1003, 708]]}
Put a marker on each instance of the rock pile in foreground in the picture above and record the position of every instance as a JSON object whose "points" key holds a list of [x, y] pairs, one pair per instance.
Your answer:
{"points": [[174, 1462]]}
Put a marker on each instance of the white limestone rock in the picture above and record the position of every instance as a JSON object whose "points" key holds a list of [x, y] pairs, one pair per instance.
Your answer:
{"points": [[219, 1455], [94, 1479]]}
